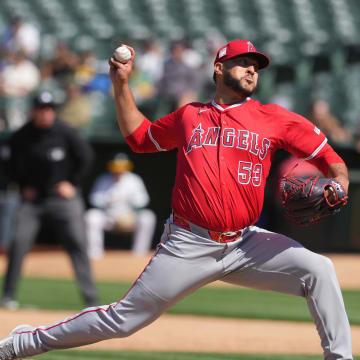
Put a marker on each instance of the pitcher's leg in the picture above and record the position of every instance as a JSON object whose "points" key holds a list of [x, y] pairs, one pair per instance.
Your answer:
{"points": [[173, 272], [275, 262], [139, 308]]}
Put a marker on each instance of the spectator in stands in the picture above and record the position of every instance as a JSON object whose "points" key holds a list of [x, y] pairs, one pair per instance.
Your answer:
{"points": [[144, 91], [320, 114], [283, 95], [22, 36], [18, 79], [19, 76], [86, 68], [92, 74], [63, 63], [151, 60], [48, 82], [48, 161], [76, 110], [179, 84], [214, 41], [119, 198], [148, 72], [192, 57]]}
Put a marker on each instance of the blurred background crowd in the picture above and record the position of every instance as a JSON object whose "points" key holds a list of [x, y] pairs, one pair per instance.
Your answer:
{"points": [[63, 46]]}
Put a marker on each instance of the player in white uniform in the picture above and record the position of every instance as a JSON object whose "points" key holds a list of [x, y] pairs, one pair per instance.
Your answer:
{"points": [[119, 198]]}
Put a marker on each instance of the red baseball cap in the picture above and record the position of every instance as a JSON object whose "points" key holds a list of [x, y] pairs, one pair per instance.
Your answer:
{"points": [[241, 47]]}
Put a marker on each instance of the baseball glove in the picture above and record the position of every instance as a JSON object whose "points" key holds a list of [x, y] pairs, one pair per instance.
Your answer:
{"points": [[309, 200]]}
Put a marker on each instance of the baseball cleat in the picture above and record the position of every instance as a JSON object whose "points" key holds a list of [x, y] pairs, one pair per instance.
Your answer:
{"points": [[7, 351]]}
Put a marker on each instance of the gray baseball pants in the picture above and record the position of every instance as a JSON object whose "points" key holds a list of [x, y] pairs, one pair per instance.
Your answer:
{"points": [[186, 260], [67, 220]]}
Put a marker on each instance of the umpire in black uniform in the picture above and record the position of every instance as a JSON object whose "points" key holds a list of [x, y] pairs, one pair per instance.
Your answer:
{"points": [[48, 161]]}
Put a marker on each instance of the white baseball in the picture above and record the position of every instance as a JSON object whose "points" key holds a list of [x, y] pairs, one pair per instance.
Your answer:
{"points": [[122, 54]]}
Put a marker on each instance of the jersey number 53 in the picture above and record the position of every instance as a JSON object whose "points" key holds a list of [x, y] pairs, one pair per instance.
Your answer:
{"points": [[249, 172]]}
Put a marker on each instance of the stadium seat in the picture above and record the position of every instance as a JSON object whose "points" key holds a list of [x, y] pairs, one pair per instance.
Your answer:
{"points": [[295, 33]]}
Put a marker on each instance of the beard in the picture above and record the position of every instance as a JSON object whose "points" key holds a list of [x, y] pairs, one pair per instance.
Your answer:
{"points": [[235, 85]]}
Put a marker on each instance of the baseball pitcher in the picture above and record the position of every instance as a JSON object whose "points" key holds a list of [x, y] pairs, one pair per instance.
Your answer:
{"points": [[224, 153]]}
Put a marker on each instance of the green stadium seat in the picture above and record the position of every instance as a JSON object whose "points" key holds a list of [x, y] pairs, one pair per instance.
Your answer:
{"points": [[293, 32]]}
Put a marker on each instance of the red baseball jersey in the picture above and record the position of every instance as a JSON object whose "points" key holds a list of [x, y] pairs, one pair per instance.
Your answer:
{"points": [[224, 156]]}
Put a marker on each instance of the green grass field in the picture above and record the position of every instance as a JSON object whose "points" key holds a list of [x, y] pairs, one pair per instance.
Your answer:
{"points": [[240, 303]]}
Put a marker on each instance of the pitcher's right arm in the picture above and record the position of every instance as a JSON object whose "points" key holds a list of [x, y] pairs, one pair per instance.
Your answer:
{"points": [[139, 132], [129, 117]]}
